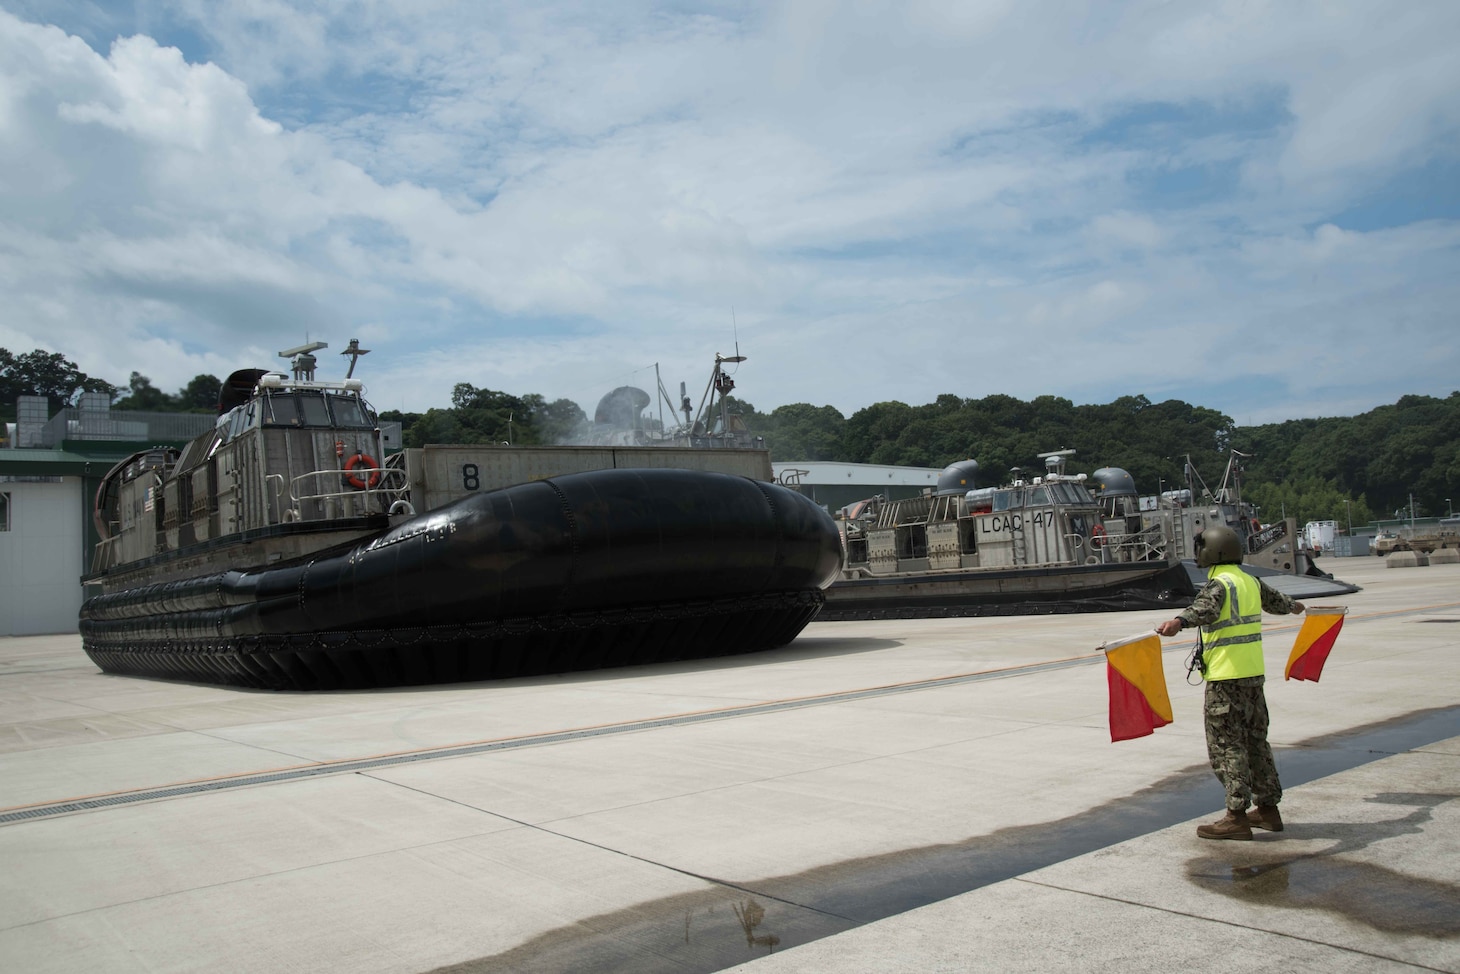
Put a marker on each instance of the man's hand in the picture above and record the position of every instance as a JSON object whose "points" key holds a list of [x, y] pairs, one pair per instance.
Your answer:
{"points": [[1171, 627]]}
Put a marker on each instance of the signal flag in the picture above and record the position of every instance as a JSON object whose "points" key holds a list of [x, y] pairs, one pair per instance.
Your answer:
{"points": [[1321, 624], [1138, 700]]}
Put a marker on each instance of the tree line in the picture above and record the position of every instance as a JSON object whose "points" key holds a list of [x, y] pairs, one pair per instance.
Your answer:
{"points": [[487, 416], [52, 375], [475, 415], [1378, 465], [1382, 464]]}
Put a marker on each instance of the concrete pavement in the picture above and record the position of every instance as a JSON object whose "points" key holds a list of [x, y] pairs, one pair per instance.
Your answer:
{"points": [[1364, 878], [826, 806]]}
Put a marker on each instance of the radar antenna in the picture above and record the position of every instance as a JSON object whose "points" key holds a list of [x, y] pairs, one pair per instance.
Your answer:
{"points": [[302, 361]]}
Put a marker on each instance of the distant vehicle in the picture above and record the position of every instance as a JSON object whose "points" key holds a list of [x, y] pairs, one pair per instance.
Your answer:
{"points": [[1320, 535], [1424, 539], [1387, 541]]}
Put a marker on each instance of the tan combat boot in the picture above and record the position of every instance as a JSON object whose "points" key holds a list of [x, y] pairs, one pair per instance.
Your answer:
{"points": [[1265, 817], [1233, 825]]}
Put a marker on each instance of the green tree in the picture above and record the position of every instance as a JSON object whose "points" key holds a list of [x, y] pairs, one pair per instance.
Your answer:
{"points": [[487, 416], [407, 424], [436, 426], [143, 396], [42, 373], [1382, 457], [801, 431], [870, 435], [200, 395], [559, 421], [480, 415]]}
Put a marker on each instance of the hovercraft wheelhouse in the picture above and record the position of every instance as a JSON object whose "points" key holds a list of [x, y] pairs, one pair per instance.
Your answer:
{"points": [[291, 464]]}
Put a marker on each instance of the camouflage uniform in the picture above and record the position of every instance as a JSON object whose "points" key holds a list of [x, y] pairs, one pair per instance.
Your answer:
{"points": [[1236, 712]]}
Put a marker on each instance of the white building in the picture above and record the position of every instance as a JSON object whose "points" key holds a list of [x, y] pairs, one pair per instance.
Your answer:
{"points": [[48, 479], [834, 485], [42, 550]]}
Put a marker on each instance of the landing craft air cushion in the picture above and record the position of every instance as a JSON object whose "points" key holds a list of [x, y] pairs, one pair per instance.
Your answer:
{"points": [[284, 550]]}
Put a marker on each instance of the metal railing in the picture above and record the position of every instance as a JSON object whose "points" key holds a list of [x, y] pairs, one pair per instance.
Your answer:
{"points": [[392, 487]]}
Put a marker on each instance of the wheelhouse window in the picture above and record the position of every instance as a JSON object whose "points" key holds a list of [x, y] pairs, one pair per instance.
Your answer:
{"points": [[238, 423], [1071, 494], [1039, 497], [1008, 500], [316, 413], [349, 413], [316, 409], [283, 410], [297, 409], [4, 511]]}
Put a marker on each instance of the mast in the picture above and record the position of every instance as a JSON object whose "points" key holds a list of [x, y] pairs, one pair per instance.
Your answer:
{"points": [[302, 360]]}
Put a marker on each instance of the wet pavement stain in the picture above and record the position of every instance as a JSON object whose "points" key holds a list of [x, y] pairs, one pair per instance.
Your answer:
{"points": [[705, 931], [1361, 892]]}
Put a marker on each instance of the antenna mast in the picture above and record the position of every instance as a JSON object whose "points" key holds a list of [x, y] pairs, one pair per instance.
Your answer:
{"points": [[302, 360], [354, 351]]}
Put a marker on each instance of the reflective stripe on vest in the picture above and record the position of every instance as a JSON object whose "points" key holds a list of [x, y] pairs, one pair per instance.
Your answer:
{"points": [[1234, 640]]}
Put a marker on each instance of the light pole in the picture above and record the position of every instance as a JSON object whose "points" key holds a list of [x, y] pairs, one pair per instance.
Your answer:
{"points": [[1348, 509], [1449, 509]]}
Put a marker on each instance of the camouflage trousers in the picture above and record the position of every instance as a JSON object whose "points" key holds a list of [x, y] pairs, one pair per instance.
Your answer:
{"points": [[1236, 724]]}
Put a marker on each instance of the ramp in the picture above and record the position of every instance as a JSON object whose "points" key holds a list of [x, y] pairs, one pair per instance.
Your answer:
{"points": [[1293, 586]]}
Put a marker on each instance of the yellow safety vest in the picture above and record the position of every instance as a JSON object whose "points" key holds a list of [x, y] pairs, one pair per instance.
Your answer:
{"points": [[1234, 641]]}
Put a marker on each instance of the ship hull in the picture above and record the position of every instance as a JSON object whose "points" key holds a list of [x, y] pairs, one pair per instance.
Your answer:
{"points": [[604, 568], [1014, 591]]}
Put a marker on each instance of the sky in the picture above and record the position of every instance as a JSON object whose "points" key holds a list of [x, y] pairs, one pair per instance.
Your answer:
{"points": [[1249, 206]]}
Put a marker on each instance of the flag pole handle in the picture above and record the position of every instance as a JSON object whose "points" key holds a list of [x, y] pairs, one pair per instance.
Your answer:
{"points": [[1106, 647]]}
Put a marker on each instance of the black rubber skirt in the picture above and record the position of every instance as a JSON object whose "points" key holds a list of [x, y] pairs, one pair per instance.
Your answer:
{"points": [[588, 570]]}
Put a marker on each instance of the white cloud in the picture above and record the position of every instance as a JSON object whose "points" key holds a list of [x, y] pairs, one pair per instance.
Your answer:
{"points": [[895, 200], [1125, 229]]}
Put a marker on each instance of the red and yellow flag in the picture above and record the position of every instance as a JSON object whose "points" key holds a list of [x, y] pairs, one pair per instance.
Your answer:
{"points": [[1321, 624], [1138, 700]]}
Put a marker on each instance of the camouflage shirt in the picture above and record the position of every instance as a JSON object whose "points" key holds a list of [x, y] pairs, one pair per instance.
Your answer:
{"points": [[1207, 605]]}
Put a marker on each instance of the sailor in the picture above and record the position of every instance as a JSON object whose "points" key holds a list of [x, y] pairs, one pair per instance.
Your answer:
{"points": [[1229, 611]]}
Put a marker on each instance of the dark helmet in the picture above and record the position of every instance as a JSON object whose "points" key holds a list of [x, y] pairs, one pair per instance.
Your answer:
{"points": [[1218, 545]]}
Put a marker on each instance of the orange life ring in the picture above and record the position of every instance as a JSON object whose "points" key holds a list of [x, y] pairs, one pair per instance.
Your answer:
{"points": [[368, 463], [1097, 536]]}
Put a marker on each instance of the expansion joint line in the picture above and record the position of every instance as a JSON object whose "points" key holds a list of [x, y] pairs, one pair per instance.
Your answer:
{"points": [[713, 881], [1229, 923]]}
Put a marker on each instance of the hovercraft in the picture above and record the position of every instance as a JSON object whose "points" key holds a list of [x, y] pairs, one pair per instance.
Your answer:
{"points": [[276, 552]]}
